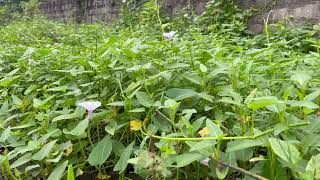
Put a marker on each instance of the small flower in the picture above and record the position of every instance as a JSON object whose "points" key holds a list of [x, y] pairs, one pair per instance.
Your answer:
{"points": [[90, 106], [68, 151], [135, 125], [204, 132], [169, 35], [205, 161]]}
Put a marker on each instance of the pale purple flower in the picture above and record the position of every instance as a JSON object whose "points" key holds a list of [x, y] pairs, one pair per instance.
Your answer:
{"points": [[90, 106], [169, 35]]}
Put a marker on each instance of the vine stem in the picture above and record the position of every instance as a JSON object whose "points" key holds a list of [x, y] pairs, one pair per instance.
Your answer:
{"points": [[243, 171], [220, 137]]}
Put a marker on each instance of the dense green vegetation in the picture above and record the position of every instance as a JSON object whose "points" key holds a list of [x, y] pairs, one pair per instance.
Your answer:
{"points": [[213, 90]]}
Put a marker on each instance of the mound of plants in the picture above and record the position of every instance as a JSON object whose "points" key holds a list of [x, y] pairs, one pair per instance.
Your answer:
{"points": [[165, 98]]}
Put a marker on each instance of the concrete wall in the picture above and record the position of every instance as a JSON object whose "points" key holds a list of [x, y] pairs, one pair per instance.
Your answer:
{"points": [[295, 12]]}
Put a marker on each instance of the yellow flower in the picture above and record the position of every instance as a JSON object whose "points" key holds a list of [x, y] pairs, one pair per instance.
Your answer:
{"points": [[69, 150], [204, 132], [135, 125]]}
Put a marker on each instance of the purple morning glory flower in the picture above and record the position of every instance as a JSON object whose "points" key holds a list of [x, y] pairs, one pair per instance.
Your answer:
{"points": [[169, 35], [90, 106]]}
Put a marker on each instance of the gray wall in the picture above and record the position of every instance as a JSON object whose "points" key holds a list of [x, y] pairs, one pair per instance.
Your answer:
{"points": [[294, 12]]}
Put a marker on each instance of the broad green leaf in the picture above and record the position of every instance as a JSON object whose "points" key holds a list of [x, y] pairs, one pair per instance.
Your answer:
{"points": [[243, 144], [187, 158], [314, 166], [137, 110], [180, 94], [93, 64], [58, 89], [306, 104], [77, 114], [118, 103], [197, 124], [37, 103], [58, 171], [56, 159], [285, 150], [301, 77], [124, 157], [195, 146], [100, 152], [21, 161], [5, 135], [144, 99], [312, 96], [29, 168], [111, 127], [250, 97], [7, 81], [79, 129], [70, 175], [4, 108], [206, 96], [214, 129], [44, 151], [16, 100], [30, 89], [222, 172], [262, 102]]}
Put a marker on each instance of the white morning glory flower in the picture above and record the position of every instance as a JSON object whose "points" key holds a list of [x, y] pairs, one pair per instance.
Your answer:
{"points": [[90, 106], [169, 35]]}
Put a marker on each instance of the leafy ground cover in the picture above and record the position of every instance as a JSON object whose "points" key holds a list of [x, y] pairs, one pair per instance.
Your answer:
{"points": [[210, 101]]}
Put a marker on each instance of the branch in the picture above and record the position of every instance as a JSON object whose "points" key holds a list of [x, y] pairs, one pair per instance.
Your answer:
{"points": [[243, 171]]}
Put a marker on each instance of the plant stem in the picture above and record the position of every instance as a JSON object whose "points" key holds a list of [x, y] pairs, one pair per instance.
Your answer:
{"points": [[219, 137], [243, 171]]}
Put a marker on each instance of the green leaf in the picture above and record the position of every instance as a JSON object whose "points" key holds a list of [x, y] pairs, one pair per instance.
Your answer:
{"points": [[314, 166], [5, 135], [187, 158], [30, 89], [138, 110], [37, 103], [124, 157], [93, 64], [77, 114], [4, 108], [243, 144], [312, 96], [262, 102], [214, 130], [79, 129], [301, 77], [111, 127], [7, 81], [16, 100], [180, 94], [28, 168], [118, 103], [100, 152], [195, 146], [70, 175], [250, 97], [306, 104], [144, 99], [58, 171], [58, 89], [285, 150], [21, 161], [44, 151]]}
